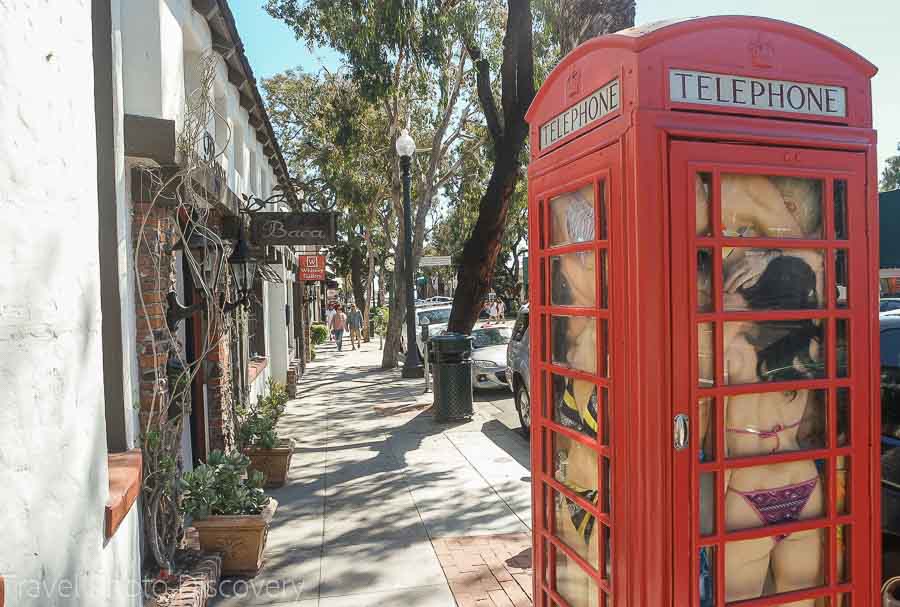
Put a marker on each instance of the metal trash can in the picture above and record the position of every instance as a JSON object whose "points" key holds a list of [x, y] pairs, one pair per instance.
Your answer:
{"points": [[452, 356]]}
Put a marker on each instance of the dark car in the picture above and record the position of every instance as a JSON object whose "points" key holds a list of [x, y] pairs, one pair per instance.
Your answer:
{"points": [[890, 442]]}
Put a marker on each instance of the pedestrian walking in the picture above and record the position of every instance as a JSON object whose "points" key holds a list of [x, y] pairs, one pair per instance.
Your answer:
{"points": [[329, 317], [354, 323], [492, 310], [338, 325], [501, 309]]}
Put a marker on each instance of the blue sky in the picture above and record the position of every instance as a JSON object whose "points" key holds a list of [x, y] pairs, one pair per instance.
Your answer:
{"points": [[867, 26]]}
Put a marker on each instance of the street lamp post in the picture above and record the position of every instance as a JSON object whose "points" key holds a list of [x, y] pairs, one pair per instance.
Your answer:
{"points": [[412, 366]]}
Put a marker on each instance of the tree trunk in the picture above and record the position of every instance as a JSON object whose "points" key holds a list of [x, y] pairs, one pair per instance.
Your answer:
{"points": [[396, 316], [357, 279], [370, 285], [508, 134]]}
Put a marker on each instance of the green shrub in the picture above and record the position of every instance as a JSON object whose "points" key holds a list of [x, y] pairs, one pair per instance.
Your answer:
{"points": [[219, 487], [318, 333], [257, 423], [380, 315]]}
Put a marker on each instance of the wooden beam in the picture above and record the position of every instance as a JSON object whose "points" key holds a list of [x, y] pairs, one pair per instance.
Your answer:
{"points": [[207, 8], [150, 138], [236, 77], [222, 44]]}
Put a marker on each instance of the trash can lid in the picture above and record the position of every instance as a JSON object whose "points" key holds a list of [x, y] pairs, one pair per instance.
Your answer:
{"points": [[449, 342]]}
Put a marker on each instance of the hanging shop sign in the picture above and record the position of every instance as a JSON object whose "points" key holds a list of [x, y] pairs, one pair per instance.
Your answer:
{"points": [[434, 261], [294, 228], [742, 92], [589, 110], [312, 268]]}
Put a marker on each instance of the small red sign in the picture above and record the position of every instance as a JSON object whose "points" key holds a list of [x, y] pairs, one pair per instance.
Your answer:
{"points": [[312, 268]]}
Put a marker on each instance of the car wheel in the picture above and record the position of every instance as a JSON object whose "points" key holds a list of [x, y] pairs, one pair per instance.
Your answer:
{"points": [[523, 407]]}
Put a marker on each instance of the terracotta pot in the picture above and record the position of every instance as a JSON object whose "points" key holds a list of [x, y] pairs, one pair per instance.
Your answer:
{"points": [[273, 463], [240, 539]]}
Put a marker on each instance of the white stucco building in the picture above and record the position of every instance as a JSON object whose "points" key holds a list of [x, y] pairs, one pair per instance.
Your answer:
{"points": [[90, 91]]}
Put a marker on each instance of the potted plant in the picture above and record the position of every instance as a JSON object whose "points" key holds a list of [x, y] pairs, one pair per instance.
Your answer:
{"points": [[258, 436], [229, 510]]}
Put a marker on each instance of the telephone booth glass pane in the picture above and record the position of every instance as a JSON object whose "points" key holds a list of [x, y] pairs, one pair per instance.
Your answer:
{"points": [[574, 342], [572, 583], [573, 280], [575, 405], [576, 526], [776, 350], [775, 422], [572, 217], [773, 279], [769, 206]]}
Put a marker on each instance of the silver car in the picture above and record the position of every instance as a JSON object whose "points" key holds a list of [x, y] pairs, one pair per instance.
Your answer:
{"points": [[489, 355], [517, 356]]}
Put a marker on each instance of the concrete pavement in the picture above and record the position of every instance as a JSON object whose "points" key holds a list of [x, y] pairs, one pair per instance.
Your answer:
{"points": [[385, 507]]}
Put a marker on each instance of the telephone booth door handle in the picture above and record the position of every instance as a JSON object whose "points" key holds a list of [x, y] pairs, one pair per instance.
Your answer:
{"points": [[681, 432]]}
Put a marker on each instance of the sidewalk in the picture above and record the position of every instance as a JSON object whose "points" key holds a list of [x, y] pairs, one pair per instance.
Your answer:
{"points": [[386, 508]]}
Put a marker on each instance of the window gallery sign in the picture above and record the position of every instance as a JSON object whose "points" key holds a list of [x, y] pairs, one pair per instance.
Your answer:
{"points": [[742, 92], [603, 102], [293, 228], [312, 268]]}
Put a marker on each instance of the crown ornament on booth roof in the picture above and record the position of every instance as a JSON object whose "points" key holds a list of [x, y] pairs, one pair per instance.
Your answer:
{"points": [[573, 84], [762, 53]]}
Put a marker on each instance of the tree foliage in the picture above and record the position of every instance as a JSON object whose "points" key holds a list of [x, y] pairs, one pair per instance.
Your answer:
{"points": [[890, 176], [572, 22]]}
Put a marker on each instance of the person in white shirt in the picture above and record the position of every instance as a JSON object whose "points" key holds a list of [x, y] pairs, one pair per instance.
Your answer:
{"points": [[329, 317]]}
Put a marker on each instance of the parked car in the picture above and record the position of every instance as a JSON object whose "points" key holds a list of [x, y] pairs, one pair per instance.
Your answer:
{"points": [[889, 304], [439, 299], [517, 373], [438, 316], [890, 442], [490, 340]]}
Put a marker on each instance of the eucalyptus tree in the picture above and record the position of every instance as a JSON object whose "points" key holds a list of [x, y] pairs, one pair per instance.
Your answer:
{"points": [[559, 23], [331, 140], [572, 22], [406, 58], [512, 74]]}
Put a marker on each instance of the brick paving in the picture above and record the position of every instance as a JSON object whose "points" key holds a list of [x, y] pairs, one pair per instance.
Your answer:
{"points": [[488, 570]]}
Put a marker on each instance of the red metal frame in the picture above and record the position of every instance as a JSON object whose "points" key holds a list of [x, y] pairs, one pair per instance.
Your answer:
{"points": [[643, 155]]}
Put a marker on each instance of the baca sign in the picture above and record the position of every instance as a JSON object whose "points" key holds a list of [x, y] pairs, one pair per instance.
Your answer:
{"points": [[293, 228]]}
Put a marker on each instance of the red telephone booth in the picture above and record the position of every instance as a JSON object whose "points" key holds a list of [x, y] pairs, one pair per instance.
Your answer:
{"points": [[704, 321]]}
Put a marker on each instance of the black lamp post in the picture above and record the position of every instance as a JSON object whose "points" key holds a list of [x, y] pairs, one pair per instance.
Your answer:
{"points": [[412, 366]]}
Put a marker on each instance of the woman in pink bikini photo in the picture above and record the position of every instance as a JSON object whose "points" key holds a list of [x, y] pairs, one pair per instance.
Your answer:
{"points": [[770, 421]]}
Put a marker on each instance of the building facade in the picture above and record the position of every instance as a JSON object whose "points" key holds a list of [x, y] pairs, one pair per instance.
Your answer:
{"points": [[135, 139]]}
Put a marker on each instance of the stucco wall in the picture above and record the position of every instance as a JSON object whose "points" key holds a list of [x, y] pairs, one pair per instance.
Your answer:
{"points": [[276, 327], [52, 431]]}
